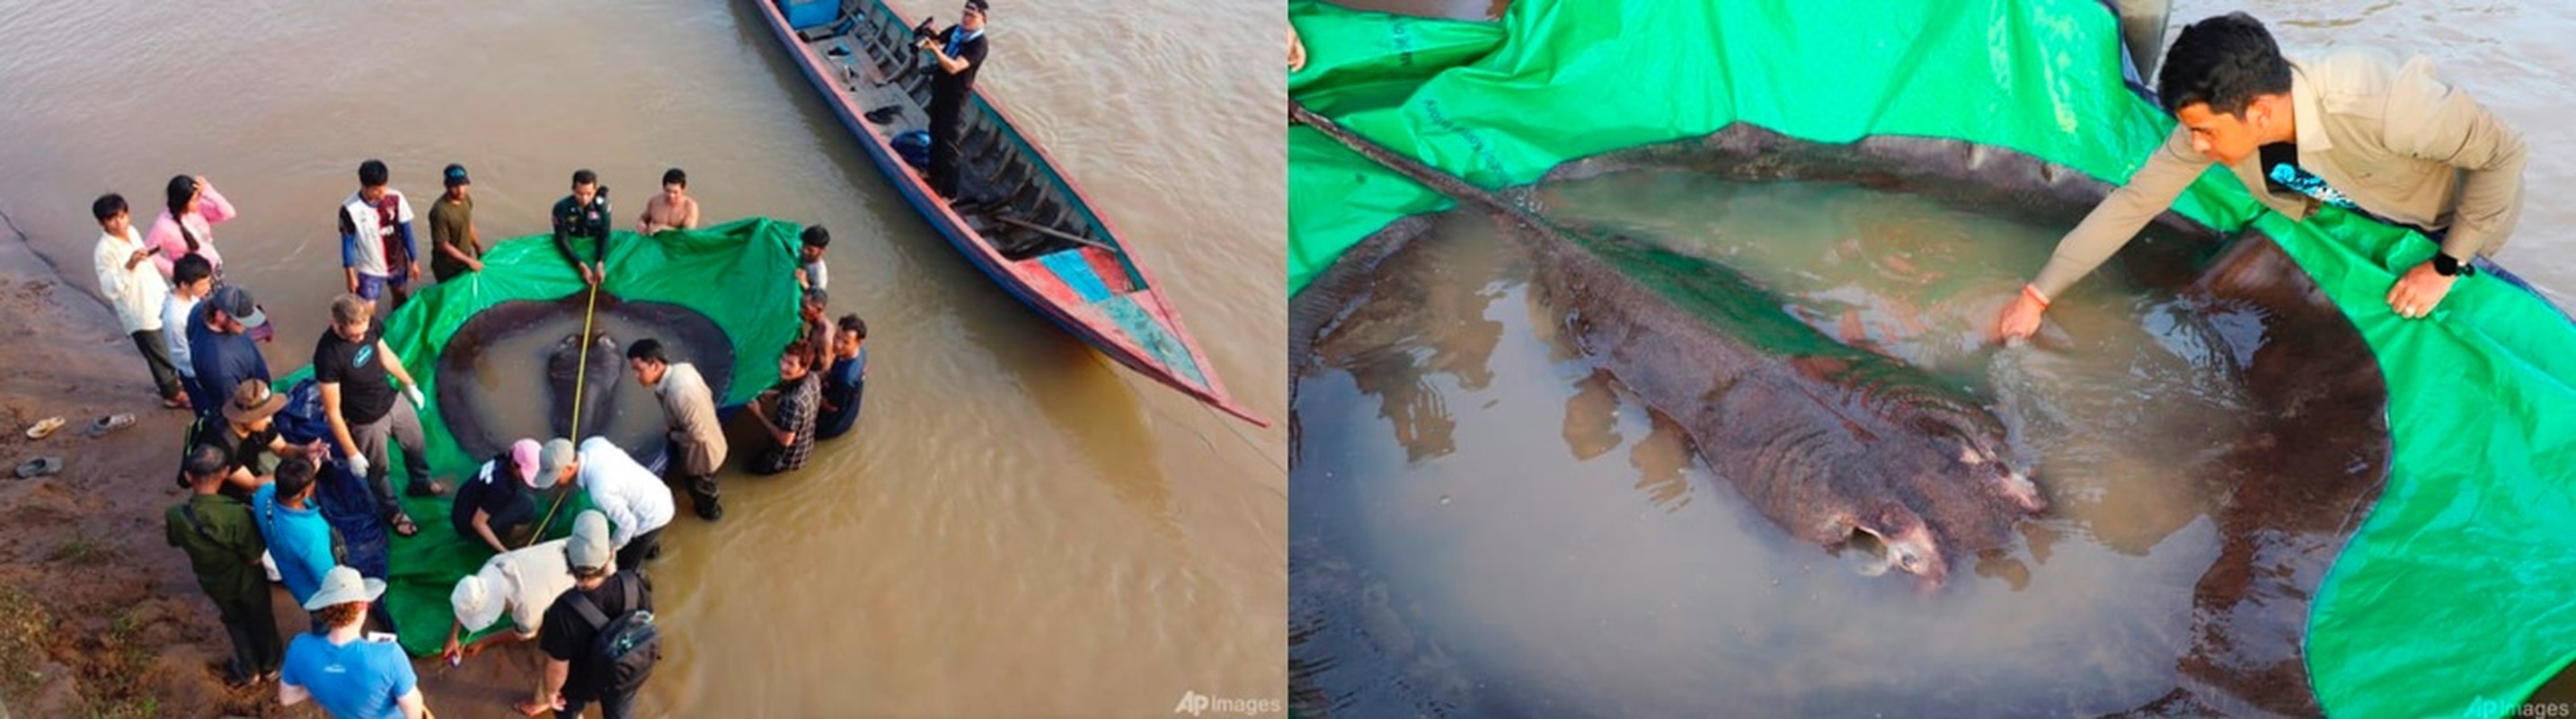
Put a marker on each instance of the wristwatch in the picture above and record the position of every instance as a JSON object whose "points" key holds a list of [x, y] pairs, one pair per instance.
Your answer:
{"points": [[2446, 266]]}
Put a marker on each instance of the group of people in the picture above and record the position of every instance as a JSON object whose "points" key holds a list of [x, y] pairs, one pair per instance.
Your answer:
{"points": [[252, 507]]}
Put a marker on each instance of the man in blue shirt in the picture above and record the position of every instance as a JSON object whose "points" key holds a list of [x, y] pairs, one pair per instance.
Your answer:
{"points": [[298, 537], [221, 350], [847, 382], [351, 676]]}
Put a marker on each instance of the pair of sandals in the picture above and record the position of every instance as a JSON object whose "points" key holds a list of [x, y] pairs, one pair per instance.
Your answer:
{"points": [[50, 465], [97, 428], [400, 521]]}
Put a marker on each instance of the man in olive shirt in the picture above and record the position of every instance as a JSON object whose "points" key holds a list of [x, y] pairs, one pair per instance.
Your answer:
{"points": [[584, 214], [457, 248], [2386, 140], [223, 546]]}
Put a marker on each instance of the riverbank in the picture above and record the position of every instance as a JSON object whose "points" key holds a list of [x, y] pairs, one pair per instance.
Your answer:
{"points": [[99, 616]]}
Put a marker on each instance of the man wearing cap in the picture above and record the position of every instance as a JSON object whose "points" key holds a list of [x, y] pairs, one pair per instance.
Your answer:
{"points": [[456, 248], [220, 348], [495, 507], [299, 538], [630, 496], [568, 637], [522, 582], [250, 438], [959, 51], [357, 372], [376, 248], [348, 674], [689, 410], [223, 546]]}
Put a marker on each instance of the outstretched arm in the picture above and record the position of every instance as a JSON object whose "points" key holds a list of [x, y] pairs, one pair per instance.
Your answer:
{"points": [[2172, 167]]}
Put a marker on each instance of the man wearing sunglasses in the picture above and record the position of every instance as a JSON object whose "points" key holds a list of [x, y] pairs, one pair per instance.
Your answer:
{"points": [[960, 52]]}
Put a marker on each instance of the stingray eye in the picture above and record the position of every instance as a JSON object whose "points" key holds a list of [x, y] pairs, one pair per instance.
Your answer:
{"points": [[1909, 561]]}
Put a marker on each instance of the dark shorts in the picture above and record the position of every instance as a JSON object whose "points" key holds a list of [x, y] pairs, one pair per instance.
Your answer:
{"points": [[372, 287]]}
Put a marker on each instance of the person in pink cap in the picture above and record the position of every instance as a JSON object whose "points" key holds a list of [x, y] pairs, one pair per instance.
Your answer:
{"points": [[495, 507], [186, 226]]}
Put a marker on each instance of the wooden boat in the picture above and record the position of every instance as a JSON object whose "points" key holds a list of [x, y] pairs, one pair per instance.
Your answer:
{"points": [[1022, 222]]}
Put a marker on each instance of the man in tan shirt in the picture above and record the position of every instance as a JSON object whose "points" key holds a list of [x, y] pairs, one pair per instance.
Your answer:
{"points": [[2352, 129], [697, 439]]}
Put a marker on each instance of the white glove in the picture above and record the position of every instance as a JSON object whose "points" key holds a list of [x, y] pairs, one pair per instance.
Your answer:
{"points": [[417, 401], [357, 465]]}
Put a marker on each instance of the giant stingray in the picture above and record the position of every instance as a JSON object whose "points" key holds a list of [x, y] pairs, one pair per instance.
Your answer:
{"points": [[2294, 489], [1837, 445], [516, 370]]}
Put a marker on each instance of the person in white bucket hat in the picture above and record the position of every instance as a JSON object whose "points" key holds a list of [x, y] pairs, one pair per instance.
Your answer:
{"points": [[350, 675], [521, 582]]}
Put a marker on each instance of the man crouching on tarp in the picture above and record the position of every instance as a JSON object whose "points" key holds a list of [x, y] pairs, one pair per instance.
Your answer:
{"points": [[2350, 129]]}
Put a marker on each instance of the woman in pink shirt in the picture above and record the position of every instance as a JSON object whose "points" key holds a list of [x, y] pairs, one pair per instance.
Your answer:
{"points": [[187, 226]]}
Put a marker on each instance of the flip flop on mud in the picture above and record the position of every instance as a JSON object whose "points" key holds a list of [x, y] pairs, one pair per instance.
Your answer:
{"points": [[45, 428], [103, 425], [39, 467]]}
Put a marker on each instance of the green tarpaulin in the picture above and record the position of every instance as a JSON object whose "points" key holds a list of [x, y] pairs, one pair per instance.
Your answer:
{"points": [[2449, 600], [740, 274]]}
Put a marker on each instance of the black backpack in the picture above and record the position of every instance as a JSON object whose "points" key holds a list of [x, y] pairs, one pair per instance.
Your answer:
{"points": [[623, 653]]}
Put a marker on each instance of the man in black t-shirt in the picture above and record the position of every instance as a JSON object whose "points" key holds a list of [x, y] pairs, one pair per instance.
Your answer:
{"points": [[496, 507], [960, 53], [249, 437], [566, 637], [357, 373]]}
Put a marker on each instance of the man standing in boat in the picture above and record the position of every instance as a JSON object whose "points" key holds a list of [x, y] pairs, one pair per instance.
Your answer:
{"points": [[960, 52]]}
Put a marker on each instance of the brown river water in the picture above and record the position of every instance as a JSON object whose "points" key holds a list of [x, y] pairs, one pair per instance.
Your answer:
{"points": [[1015, 528], [1472, 484]]}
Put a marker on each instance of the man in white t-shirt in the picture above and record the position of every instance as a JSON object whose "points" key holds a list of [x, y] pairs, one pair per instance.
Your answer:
{"points": [[376, 248], [191, 279], [133, 285], [521, 582], [635, 500]]}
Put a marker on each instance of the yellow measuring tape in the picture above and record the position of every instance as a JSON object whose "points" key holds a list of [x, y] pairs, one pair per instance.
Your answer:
{"points": [[580, 376]]}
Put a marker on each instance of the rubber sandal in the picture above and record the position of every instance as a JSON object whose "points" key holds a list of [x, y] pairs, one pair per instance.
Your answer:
{"points": [[39, 467], [179, 402], [431, 489], [110, 423], [45, 428], [402, 525]]}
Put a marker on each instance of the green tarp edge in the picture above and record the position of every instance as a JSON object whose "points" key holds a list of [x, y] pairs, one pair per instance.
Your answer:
{"points": [[2443, 603], [740, 274]]}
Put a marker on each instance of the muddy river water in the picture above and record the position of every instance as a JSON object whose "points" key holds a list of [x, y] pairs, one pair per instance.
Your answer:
{"points": [[1486, 515]]}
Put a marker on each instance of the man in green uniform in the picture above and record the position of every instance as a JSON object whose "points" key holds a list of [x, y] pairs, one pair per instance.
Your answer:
{"points": [[584, 214], [223, 546]]}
